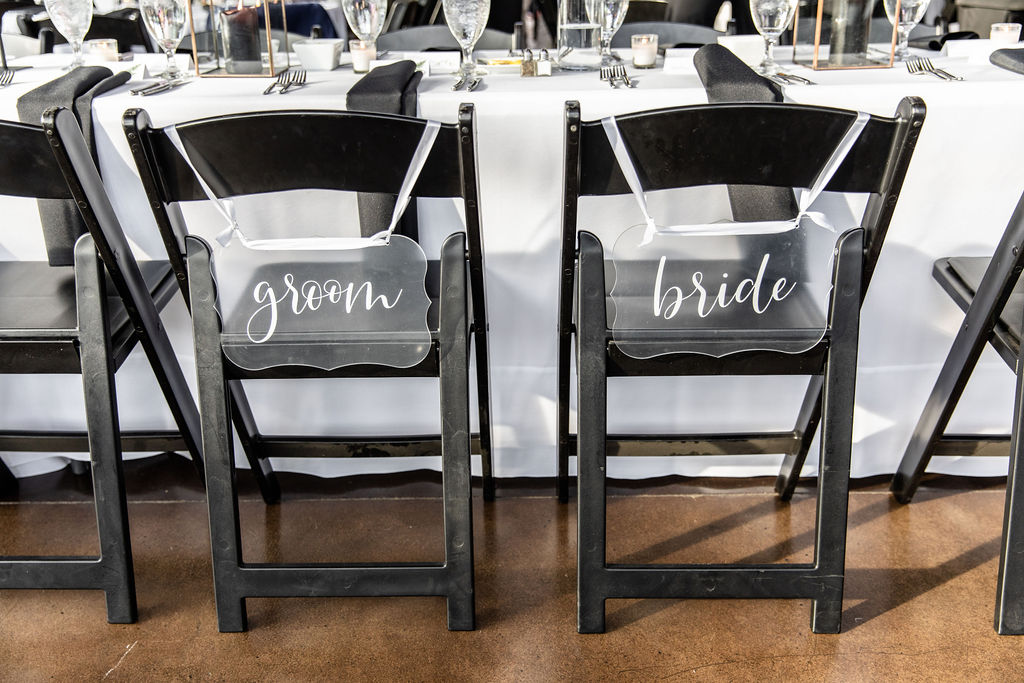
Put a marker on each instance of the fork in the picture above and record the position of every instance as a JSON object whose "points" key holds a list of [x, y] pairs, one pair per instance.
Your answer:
{"points": [[927, 64], [793, 78], [461, 81], [619, 72], [915, 67], [282, 78], [298, 80], [6, 77], [607, 74]]}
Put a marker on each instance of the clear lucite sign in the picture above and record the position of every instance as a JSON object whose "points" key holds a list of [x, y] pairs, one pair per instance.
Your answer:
{"points": [[325, 302], [723, 288], [325, 308]]}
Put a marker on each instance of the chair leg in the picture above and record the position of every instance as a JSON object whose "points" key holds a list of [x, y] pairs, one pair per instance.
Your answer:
{"points": [[225, 533], [837, 436], [455, 456], [949, 387], [483, 392], [807, 422], [248, 435], [104, 437], [591, 454], [1009, 616], [564, 349]]}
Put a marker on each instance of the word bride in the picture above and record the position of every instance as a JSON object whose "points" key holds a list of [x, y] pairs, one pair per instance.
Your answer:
{"points": [[667, 305]]}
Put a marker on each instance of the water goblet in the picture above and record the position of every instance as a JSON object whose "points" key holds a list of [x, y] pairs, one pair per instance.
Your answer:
{"points": [[72, 19], [366, 19], [466, 20], [771, 17], [167, 22], [911, 13], [612, 14]]}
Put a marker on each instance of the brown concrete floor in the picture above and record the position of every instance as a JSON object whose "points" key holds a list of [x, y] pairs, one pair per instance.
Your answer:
{"points": [[919, 598]]}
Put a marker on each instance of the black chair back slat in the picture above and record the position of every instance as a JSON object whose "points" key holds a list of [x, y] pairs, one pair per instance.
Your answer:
{"points": [[721, 145], [261, 153], [28, 169]]}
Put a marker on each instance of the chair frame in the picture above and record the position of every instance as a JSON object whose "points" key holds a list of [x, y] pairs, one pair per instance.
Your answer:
{"points": [[983, 324], [74, 176], [832, 361], [462, 318], [259, 447]]}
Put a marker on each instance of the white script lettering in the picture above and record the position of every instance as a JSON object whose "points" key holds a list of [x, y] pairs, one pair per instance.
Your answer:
{"points": [[747, 289], [308, 297]]}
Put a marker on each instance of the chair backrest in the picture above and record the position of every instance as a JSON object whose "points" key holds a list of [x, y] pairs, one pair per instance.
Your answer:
{"points": [[28, 169], [669, 33], [775, 145], [646, 10], [416, 38], [343, 151], [124, 26], [700, 12]]}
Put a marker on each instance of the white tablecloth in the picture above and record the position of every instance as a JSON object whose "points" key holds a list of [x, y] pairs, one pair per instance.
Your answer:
{"points": [[962, 186]]}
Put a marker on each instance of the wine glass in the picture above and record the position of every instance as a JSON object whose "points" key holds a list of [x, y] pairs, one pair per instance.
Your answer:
{"points": [[911, 13], [366, 19], [771, 17], [72, 19], [612, 14], [466, 20], [166, 21]]}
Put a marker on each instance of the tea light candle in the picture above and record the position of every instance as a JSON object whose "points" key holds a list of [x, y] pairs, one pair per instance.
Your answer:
{"points": [[645, 50], [363, 52], [1005, 34], [104, 49], [240, 28]]}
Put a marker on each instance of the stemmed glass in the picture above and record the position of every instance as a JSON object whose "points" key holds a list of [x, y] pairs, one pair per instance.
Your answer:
{"points": [[612, 14], [771, 17], [72, 18], [366, 19], [911, 13], [466, 20], [166, 21]]}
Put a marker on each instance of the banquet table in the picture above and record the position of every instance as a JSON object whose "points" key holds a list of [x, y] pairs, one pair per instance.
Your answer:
{"points": [[960, 191]]}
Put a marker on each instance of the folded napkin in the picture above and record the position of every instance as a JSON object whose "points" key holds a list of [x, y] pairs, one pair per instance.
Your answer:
{"points": [[62, 224], [727, 79], [388, 89], [1012, 59], [936, 42]]}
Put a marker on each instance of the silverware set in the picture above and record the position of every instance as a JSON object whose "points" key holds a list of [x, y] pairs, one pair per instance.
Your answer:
{"points": [[474, 82], [790, 79], [293, 78], [158, 87], [6, 77], [923, 65], [616, 75]]}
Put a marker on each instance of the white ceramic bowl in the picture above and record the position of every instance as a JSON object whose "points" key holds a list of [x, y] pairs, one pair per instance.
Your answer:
{"points": [[321, 54]]}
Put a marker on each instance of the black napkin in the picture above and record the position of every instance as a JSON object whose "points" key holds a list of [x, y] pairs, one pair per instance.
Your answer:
{"points": [[936, 42], [388, 89], [62, 224], [727, 79], [1009, 59]]}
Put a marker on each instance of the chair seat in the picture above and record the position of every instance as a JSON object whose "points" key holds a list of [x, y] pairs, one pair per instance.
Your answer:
{"points": [[37, 304], [960, 277]]}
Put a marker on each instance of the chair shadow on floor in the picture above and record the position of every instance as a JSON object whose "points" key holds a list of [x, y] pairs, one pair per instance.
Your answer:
{"points": [[908, 583]]}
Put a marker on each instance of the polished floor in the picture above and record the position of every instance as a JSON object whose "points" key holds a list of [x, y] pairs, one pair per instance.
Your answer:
{"points": [[919, 598]]}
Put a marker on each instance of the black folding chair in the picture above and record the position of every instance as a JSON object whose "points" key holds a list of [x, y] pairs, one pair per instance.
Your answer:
{"points": [[328, 151], [78, 319], [735, 144], [990, 293], [125, 26]]}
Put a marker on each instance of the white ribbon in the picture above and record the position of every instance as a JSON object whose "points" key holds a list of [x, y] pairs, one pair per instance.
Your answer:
{"points": [[807, 198], [226, 207]]}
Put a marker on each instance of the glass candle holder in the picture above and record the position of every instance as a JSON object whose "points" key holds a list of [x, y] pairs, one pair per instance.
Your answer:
{"points": [[102, 48], [1005, 34], [363, 52], [645, 50]]}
